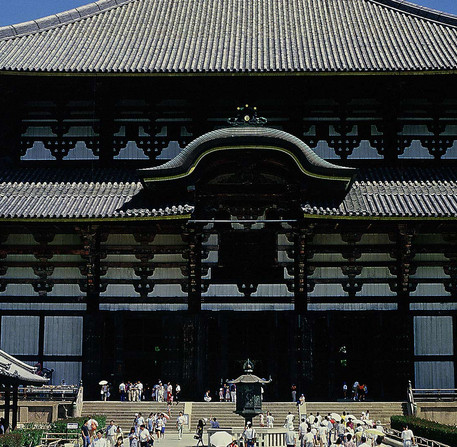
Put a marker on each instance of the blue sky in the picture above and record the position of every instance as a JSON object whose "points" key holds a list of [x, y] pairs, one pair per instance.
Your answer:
{"points": [[14, 11]]}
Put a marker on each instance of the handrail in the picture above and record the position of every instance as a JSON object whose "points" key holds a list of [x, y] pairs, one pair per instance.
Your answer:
{"points": [[78, 405], [411, 406], [420, 441], [434, 393]]}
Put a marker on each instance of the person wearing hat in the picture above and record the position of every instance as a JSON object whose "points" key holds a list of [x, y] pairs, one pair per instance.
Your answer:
{"points": [[249, 435], [291, 438]]}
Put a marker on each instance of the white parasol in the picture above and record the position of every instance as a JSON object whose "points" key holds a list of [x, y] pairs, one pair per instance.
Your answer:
{"points": [[220, 439], [103, 382]]}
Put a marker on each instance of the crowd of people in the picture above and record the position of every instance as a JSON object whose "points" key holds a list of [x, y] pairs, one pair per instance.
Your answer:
{"points": [[136, 392], [359, 391], [143, 433]]}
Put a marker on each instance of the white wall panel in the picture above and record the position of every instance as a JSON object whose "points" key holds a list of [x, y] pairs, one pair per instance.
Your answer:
{"points": [[327, 239], [20, 239], [352, 306], [284, 257], [430, 257], [174, 257], [433, 335], [20, 272], [63, 335], [168, 291], [120, 258], [376, 290], [120, 239], [222, 290], [212, 257], [124, 290], [272, 290], [68, 371], [143, 306], [433, 306], [248, 307], [66, 239], [430, 272], [20, 334], [328, 257], [430, 290], [375, 239], [71, 290], [327, 273], [44, 306], [282, 240], [434, 374], [120, 273], [167, 273], [168, 239], [19, 290], [67, 273], [375, 272], [327, 290]]}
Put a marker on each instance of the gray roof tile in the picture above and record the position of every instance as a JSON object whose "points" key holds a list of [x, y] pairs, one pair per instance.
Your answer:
{"points": [[66, 193], [182, 36]]}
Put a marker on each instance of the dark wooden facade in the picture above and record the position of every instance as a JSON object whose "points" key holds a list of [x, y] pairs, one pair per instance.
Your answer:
{"points": [[188, 295]]}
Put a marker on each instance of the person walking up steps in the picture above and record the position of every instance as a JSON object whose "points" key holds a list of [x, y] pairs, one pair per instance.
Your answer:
{"points": [[179, 424]]}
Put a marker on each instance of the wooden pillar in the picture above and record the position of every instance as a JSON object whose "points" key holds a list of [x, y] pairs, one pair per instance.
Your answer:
{"points": [[7, 405], [14, 407], [302, 237], [194, 268], [92, 360], [404, 343]]}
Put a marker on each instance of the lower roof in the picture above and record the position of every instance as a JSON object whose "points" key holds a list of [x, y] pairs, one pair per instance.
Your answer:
{"points": [[68, 194], [15, 372]]}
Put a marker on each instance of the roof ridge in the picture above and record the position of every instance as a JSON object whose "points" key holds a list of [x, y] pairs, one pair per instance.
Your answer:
{"points": [[421, 11], [61, 18]]}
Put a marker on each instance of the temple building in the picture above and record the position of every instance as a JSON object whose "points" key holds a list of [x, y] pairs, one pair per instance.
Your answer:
{"points": [[185, 184]]}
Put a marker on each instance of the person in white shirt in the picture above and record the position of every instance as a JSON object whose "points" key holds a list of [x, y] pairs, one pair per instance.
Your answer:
{"points": [[323, 434], [407, 437], [139, 386], [363, 442], [140, 420], [249, 435], [289, 419], [302, 429], [291, 438], [122, 391], [309, 438], [180, 424], [143, 436], [99, 441], [111, 434], [270, 420]]}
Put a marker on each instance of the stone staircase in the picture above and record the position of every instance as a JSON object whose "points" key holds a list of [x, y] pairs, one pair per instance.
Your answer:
{"points": [[379, 411], [123, 413], [224, 412]]}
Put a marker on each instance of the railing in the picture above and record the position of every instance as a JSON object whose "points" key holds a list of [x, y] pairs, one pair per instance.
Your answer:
{"points": [[421, 442], [49, 392], [410, 404], [434, 394], [78, 404], [264, 437], [54, 439]]}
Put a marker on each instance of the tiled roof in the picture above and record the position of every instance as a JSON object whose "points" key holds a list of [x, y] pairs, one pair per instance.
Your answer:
{"points": [[200, 36], [115, 193], [14, 371], [68, 193], [395, 192]]}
